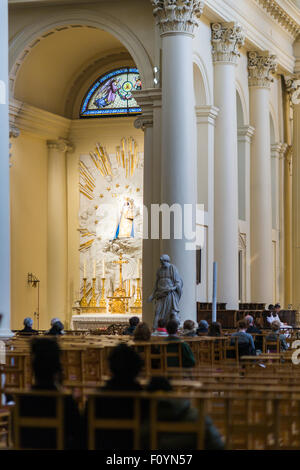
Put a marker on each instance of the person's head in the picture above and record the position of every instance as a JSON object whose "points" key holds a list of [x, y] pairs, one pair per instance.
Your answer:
{"points": [[57, 328], [277, 308], [189, 325], [142, 332], [249, 320], [28, 322], [242, 325], [125, 364], [215, 329], [275, 325], [54, 320], [165, 260], [271, 308], [158, 383], [172, 327], [134, 321], [161, 323], [46, 365], [203, 325]]}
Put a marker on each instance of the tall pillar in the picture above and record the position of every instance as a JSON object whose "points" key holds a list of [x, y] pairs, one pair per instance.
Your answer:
{"points": [[260, 66], [4, 178], [294, 90], [177, 21], [57, 229], [226, 39], [148, 100]]}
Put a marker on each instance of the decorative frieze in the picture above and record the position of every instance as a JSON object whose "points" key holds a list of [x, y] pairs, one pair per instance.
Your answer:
{"points": [[281, 16], [261, 64], [293, 88], [226, 39], [177, 16]]}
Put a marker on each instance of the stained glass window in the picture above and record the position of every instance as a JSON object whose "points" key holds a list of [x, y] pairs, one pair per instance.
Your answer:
{"points": [[111, 94]]}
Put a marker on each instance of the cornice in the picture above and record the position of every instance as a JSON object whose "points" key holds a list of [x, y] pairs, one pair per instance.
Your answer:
{"points": [[284, 13], [37, 121]]}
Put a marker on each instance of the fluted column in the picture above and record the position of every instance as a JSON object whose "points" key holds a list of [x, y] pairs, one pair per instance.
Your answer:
{"points": [[57, 229], [177, 20], [149, 100], [260, 66], [226, 40], [294, 90], [4, 178]]}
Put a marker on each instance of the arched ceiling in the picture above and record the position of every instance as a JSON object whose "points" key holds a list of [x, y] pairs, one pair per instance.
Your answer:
{"points": [[49, 70]]}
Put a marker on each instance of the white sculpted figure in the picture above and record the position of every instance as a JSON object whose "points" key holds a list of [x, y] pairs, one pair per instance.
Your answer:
{"points": [[167, 291]]}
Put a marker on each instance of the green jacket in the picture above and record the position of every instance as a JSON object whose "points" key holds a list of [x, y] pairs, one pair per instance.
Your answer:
{"points": [[188, 359]]}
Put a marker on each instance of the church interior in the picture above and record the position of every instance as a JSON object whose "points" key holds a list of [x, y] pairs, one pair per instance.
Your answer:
{"points": [[150, 225]]}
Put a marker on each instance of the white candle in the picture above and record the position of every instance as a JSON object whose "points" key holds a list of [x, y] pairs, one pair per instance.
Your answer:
{"points": [[84, 270], [94, 275], [138, 268], [103, 268]]}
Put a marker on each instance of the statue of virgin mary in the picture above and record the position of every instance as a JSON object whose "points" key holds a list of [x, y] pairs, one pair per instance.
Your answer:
{"points": [[125, 227]]}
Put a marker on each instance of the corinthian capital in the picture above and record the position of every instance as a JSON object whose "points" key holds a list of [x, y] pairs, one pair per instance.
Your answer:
{"points": [[226, 39], [177, 16], [260, 66], [293, 89]]}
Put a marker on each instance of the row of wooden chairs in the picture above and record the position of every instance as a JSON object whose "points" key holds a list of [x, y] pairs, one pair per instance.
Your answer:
{"points": [[248, 419]]}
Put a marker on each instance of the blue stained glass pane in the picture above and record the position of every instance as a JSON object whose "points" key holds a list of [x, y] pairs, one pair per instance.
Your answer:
{"points": [[111, 94]]}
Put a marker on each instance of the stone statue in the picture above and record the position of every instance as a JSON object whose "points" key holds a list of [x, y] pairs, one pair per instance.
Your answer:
{"points": [[167, 291]]}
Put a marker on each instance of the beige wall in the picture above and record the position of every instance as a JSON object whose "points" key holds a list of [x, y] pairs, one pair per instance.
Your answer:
{"points": [[28, 227]]}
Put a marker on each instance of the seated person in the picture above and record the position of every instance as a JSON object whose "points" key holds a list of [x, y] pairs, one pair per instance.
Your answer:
{"points": [[28, 330], [125, 365], [142, 332], [57, 329], [161, 328], [215, 329], [275, 327], [251, 328], [188, 359], [133, 322], [178, 409], [245, 340], [189, 329], [47, 371], [202, 327]]}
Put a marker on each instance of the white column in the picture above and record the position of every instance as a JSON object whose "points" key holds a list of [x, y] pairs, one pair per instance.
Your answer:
{"points": [[177, 21], [148, 100], [260, 65], [4, 178], [57, 229], [294, 90], [226, 39], [245, 134]]}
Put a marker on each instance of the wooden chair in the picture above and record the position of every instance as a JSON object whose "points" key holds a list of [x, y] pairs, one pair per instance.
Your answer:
{"points": [[28, 423], [271, 346], [98, 423], [5, 429]]}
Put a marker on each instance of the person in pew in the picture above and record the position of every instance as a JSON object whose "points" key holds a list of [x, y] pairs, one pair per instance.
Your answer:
{"points": [[133, 323], [161, 328], [57, 329], [252, 329], [189, 329], [47, 372], [215, 329], [28, 330], [202, 327], [275, 327], [188, 359], [125, 365], [142, 332], [245, 340], [178, 410]]}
